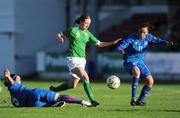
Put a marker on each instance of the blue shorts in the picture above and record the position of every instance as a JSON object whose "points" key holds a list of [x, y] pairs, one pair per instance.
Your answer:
{"points": [[128, 66], [41, 98]]}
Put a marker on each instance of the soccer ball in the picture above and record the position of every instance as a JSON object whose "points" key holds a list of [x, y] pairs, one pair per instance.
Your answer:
{"points": [[113, 82]]}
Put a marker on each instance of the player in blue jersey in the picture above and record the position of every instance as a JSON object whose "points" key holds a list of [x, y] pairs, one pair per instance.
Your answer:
{"points": [[134, 48], [22, 96]]}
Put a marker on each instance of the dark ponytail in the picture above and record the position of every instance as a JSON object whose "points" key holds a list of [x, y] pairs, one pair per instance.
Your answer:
{"points": [[81, 18], [77, 21]]}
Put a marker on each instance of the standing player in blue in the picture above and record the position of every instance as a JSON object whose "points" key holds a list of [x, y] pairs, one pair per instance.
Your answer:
{"points": [[22, 96], [134, 48]]}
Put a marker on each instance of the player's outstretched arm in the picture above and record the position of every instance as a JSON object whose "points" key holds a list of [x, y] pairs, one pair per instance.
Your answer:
{"points": [[60, 37], [159, 41], [106, 44], [6, 74]]}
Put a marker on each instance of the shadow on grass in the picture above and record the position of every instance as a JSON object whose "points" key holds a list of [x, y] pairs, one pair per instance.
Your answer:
{"points": [[7, 106], [146, 110]]}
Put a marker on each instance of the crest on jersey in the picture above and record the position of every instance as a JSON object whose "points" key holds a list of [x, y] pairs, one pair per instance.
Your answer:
{"points": [[77, 34]]}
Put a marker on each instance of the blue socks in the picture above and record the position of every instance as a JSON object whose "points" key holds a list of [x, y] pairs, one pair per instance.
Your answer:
{"points": [[134, 86], [70, 99], [144, 92]]}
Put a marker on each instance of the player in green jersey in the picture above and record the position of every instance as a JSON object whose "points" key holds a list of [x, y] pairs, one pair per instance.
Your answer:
{"points": [[78, 39]]}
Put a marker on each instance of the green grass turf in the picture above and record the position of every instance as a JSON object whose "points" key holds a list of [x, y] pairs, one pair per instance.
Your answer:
{"points": [[163, 102]]}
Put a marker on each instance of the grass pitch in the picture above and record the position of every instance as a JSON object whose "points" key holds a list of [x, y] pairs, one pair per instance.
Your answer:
{"points": [[162, 102]]}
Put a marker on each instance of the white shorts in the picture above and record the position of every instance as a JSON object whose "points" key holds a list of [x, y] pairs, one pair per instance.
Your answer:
{"points": [[73, 62]]}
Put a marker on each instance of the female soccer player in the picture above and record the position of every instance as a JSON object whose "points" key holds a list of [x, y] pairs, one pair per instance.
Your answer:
{"points": [[78, 38], [21, 96], [134, 47]]}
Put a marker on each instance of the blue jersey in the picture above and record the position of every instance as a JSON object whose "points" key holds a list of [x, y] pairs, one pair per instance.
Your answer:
{"points": [[21, 96], [135, 48]]}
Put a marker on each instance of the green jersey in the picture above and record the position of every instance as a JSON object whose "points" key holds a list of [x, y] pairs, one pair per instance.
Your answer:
{"points": [[78, 40]]}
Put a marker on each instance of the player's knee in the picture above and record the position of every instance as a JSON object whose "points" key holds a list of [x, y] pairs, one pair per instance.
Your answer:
{"points": [[150, 81], [85, 76], [86, 79], [136, 72]]}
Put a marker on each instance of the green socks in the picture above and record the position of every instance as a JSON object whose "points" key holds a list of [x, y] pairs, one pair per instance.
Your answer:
{"points": [[65, 86], [88, 90], [61, 87]]}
